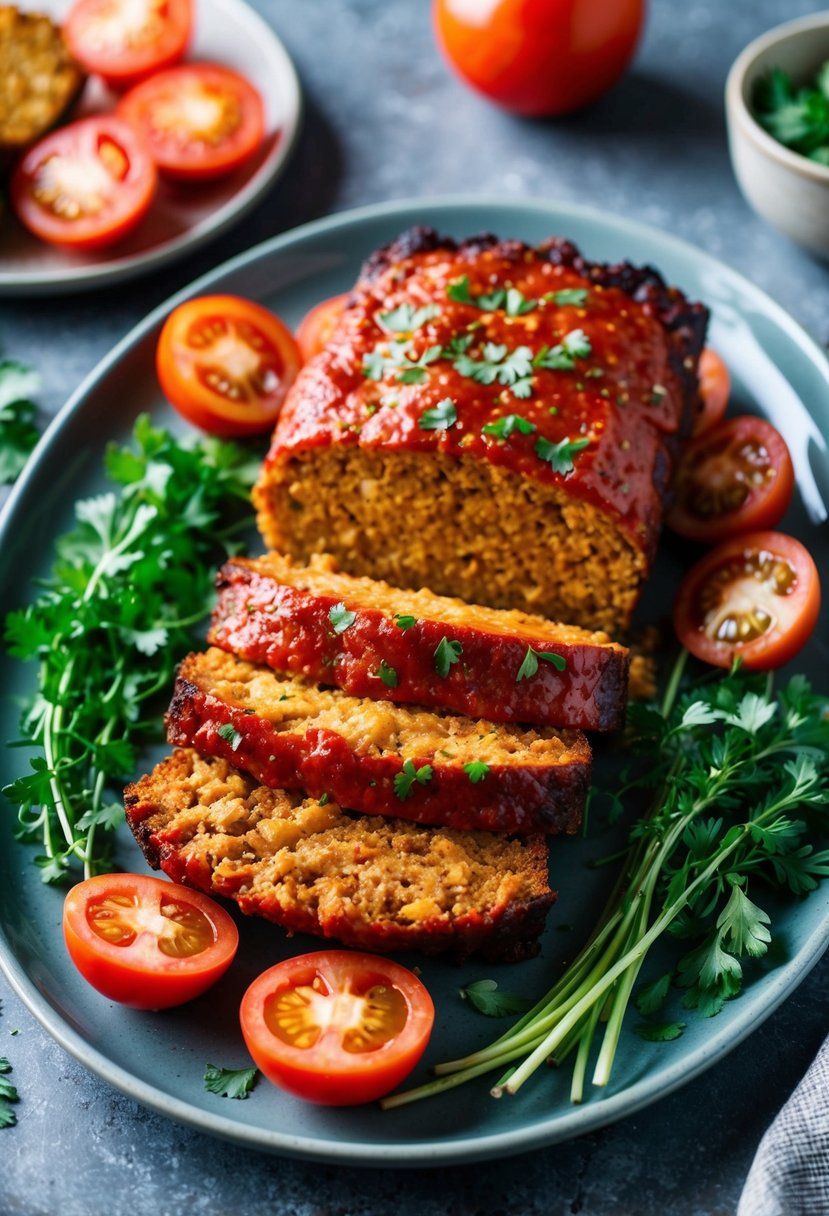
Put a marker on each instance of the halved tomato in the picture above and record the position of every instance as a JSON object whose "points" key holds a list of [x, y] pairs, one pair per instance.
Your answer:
{"points": [[226, 364], [337, 1027], [714, 390], [734, 478], [199, 121], [754, 597], [145, 942], [318, 324], [125, 40], [86, 185]]}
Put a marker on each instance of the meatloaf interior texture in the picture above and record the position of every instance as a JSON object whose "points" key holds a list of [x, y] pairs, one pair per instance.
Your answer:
{"points": [[540, 485], [377, 884]]}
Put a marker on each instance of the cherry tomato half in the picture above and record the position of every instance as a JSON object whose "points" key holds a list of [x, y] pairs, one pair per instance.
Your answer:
{"points": [[87, 184], [318, 324], [714, 391], [125, 40], [337, 1027], [736, 477], [539, 56], [145, 942], [755, 596], [226, 364], [199, 121]]}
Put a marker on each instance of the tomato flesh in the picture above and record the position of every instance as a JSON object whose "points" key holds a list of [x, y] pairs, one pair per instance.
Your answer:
{"points": [[337, 1028], [736, 477], [226, 364], [755, 597], [714, 391], [146, 942], [125, 40], [317, 326], [200, 121], [86, 185]]}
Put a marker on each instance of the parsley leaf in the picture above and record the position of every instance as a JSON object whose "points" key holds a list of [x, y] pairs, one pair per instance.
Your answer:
{"points": [[387, 674], [230, 734], [559, 455], [651, 997], [408, 775], [659, 1032], [340, 617], [577, 296], [503, 427], [489, 999], [476, 771], [447, 653], [529, 665], [440, 418], [799, 119], [230, 1082], [402, 621], [8, 1094], [562, 358], [406, 318], [18, 434], [510, 299], [395, 359], [499, 364]]}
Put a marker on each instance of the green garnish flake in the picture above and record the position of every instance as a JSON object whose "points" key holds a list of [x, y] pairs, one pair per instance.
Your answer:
{"points": [[577, 296], [395, 359], [498, 364], [476, 771], [404, 781], [798, 118], [513, 302], [529, 665], [230, 1082], [230, 734], [659, 1032], [402, 621], [503, 427], [563, 356], [387, 674], [8, 1095], [406, 318], [444, 415], [324, 799], [489, 999], [18, 433], [447, 653], [341, 618], [559, 455]]}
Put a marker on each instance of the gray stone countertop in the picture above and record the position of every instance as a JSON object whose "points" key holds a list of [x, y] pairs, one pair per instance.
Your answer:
{"points": [[384, 120]]}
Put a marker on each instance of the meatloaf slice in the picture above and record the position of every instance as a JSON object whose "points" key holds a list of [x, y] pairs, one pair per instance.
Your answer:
{"points": [[373, 640], [378, 884], [492, 421], [39, 79], [377, 757]]}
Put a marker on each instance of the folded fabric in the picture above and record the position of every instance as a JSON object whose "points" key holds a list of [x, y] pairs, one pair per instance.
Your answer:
{"points": [[790, 1172]]}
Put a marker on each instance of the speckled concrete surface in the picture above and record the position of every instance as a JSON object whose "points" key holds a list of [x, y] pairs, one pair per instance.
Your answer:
{"points": [[386, 120]]}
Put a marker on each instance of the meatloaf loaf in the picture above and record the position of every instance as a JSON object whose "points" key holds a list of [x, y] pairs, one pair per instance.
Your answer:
{"points": [[492, 421], [377, 757], [378, 884], [373, 640], [39, 79]]}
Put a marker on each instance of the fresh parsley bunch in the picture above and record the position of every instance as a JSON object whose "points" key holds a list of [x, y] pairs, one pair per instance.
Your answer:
{"points": [[797, 118], [130, 582]]}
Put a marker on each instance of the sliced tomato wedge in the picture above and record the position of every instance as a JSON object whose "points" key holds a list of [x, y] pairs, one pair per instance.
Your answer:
{"points": [[226, 364], [145, 942], [337, 1028], [125, 40], [714, 391], [199, 121], [315, 329], [754, 597], [736, 477], [86, 185]]}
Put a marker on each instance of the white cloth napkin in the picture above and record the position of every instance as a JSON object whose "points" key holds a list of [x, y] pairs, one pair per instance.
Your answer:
{"points": [[790, 1172]]}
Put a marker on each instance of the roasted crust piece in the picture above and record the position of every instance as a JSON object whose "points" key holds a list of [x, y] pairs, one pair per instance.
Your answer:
{"points": [[358, 468], [273, 611], [291, 734], [377, 884], [39, 79]]}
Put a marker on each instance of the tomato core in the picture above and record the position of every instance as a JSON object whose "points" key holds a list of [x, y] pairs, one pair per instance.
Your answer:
{"points": [[725, 476], [365, 1020]]}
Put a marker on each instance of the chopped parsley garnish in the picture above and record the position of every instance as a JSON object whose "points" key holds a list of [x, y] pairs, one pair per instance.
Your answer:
{"points": [[476, 770], [387, 674], [559, 455], [324, 799], [502, 428], [510, 299], [577, 296], [230, 734], [659, 1032], [394, 359], [487, 998], [341, 618], [230, 1082], [529, 666], [405, 319], [446, 654], [562, 357], [408, 775], [8, 1094], [404, 622], [512, 368], [18, 434], [444, 415], [797, 118]]}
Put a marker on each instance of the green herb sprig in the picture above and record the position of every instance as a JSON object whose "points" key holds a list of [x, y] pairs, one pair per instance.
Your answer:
{"points": [[797, 118], [230, 1082], [18, 433], [8, 1095]]}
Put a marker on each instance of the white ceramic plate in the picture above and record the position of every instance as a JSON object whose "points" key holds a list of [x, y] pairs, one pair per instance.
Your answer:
{"points": [[226, 32]]}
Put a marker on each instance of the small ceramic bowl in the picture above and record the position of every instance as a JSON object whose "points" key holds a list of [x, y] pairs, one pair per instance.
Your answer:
{"points": [[788, 190]]}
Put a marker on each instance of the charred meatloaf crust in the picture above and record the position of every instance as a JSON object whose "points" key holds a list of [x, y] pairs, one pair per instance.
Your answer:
{"points": [[492, 421], [378, 884], [377, 757], [373, 640]]}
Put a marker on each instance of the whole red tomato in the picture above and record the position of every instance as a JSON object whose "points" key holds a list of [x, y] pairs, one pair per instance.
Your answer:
{"points": [[539, 57]]}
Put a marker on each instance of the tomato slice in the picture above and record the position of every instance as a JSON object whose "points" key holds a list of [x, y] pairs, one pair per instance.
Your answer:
{"points": [[226, 364], [199, 121], [86, 185], [714, 391], [146, 942], [125, 40], [735, 478], [755, 597], [315, 329], [337, 1027]]}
